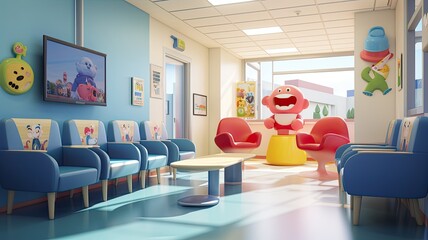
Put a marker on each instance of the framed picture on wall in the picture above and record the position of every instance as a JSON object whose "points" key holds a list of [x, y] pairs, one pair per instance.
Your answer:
{"points": [[156, 81], [199, 104], [137, 91]]}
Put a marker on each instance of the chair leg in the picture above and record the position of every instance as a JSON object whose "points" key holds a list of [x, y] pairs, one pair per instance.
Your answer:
{"points": [[171, 169], [143, 178], [10, 197], [104, 186], [417, 212], [158, 174], [357, 209], [85, 194], [129, 180], [174, 174], [51, 205]]}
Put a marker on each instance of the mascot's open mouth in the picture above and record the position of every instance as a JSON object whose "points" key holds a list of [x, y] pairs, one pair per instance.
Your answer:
{"points": [[284, 101]]}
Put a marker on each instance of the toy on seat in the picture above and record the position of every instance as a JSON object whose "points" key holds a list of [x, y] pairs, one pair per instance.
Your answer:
{"points": [[235, 135], [154, 154], [286, 103], [178, 148], [391, 174], [326, 136], [32, 159], [117, 159]]}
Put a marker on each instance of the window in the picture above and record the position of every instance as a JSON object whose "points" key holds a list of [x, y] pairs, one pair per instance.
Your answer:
{"points": [[327, 82], [415, 59]]}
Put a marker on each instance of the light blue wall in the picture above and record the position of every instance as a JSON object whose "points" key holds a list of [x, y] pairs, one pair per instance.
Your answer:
{"points": [[113, 27]]}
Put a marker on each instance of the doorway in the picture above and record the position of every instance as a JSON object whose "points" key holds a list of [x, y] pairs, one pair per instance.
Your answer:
{"points": [[176, 98]]}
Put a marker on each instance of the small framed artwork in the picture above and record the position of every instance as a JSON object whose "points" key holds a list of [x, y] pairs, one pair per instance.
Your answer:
{"points": [[156, 81], [137, 91], [199, 104]]}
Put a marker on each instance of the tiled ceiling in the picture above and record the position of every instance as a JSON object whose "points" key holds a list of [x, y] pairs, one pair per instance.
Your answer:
{"points": [[310, 26]]}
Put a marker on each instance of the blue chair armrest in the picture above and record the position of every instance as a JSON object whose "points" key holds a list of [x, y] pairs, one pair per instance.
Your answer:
{"points": [[81, 157], [387, 174], [173, 151], [341, 150], [155, 147], [28, 171], [184, 144], [105, 162], [144, 156], [123, 151]]}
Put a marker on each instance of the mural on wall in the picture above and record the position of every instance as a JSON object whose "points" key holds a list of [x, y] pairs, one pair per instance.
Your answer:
{"points": [[245, 99], [376, 50]]}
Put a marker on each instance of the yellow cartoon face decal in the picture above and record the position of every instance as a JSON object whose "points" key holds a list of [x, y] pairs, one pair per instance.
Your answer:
{"points": [[16, 75]]}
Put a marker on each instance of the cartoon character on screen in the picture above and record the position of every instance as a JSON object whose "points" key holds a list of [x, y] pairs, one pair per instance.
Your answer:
{"points": [[84, 85], [285, 102], [35, 132], [89, 140]]}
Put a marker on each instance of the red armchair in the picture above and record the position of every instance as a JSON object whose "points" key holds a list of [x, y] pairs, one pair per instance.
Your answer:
{"points": [[326, 136], [235, 135]]}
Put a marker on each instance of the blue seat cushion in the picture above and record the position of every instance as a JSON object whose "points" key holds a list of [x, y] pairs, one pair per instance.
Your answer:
{"points": [[186, 155], [74, 177], [156, 161], [123, 167]]}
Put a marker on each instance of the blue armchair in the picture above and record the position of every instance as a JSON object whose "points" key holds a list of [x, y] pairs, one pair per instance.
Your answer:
{"points": [[178, 148], [117, 159], [33, 159], [391, 174], [390, 142], [154, 154]]}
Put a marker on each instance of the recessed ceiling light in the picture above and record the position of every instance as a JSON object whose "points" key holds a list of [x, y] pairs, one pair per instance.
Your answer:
{"points": [[260, 31], [281, 50], [221, 2]]}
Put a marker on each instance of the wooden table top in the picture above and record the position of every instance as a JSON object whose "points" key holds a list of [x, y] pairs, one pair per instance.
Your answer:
{"points": [[212, 162]]}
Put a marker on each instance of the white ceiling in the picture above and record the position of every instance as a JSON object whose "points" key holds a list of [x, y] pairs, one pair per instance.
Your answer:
{"points": [[311, 26]]}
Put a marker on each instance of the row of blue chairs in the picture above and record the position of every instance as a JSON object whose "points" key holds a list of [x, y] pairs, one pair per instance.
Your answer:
{"points": [[397, 168], [35, 157]]}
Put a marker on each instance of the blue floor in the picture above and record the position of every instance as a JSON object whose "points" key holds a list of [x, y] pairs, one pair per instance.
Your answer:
{"points": [[272, 203]]}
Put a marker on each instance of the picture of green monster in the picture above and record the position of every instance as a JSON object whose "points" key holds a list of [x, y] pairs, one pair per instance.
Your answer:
{"points": [[16, 75]]}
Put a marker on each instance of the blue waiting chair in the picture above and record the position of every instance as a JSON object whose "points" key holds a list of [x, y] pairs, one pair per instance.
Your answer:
{"points": [[392, 174], [178, 148], [390, 142], [33, 159], [117, 159], [154, 154]]}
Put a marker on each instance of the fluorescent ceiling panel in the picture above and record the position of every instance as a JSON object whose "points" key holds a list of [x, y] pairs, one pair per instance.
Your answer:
{"points": [[261, 31], [222, 2]]}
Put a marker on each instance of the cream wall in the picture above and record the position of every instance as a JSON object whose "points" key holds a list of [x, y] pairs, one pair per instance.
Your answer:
{"points": [[372, 114], [198, 57], [225, 72], [400, 22]]}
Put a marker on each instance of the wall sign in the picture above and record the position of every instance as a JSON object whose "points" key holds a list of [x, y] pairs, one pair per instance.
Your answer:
{"points": [[178, 44]]}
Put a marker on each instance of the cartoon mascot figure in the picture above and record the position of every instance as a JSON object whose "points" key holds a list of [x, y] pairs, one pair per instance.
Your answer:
{"points": [[285, 102]]}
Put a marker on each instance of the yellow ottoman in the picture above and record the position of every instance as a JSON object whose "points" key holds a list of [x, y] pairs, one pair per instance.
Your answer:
{"points": [[282, 150]]}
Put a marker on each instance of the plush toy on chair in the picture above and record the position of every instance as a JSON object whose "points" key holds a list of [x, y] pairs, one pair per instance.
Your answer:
{"points": [[326, 136]]}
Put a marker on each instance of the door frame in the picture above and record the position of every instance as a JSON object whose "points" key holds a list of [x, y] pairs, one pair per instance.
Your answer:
{"points": [[168, 53]]}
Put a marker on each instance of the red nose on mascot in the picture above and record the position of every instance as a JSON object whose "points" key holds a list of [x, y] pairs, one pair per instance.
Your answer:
{"points": [[285, 102]]}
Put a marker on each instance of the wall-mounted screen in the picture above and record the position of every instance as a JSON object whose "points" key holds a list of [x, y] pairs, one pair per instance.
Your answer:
{"points": [[73, 74]]}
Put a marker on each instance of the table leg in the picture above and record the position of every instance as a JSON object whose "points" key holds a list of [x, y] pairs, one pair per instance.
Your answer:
{"points": [[214, 183], [205, 200], [233, 174]]}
